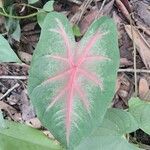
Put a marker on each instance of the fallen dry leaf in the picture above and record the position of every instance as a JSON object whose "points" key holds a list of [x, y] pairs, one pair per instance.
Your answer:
{"points": [[143, 88], [88, 19], [78, 15], [118, 84], [123, 9], [12, 112], [142, 46], [142, 27], [90, 16], [25, 57], [29, 26], [143, 12], [124, 62], [127, 5]]}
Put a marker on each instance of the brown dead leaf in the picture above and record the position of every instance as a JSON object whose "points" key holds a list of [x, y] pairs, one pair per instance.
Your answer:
{"points": [[143, 88], [25, 57], [123, 9], [90, 17], [123, 94], [12, 112], [118, 84], [124, 62], [29, 26], [142, 27], [78, 15], [142, 46], [141, 8], [127, 5]]}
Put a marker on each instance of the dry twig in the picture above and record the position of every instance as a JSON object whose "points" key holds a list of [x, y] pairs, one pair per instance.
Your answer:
{"points": [[11, 89], [14, 77]]}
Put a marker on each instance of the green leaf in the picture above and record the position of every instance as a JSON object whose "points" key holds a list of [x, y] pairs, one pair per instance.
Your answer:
{"points": [[141, 111], [32, 1], [17, 32], [110, 135], [71, 84], [121, 122], [42, 14], [21, 137], [13, 27], [6, 53], [49, 6], [76, 30], [40, 17]]}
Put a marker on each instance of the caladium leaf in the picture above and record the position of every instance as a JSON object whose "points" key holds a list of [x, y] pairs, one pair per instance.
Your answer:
{"points": [[71, 84]]}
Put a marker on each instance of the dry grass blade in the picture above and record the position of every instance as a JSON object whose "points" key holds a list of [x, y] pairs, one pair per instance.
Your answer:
{"points": [[141, 44], [11, 89], [99, 12], [77, 16]]}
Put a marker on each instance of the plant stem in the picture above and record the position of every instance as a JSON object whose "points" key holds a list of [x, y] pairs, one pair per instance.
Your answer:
{"points": [[132, 70], [28, 5], [4, 13], [134, 56], [14, 77], [103, 3], [19, 17]]}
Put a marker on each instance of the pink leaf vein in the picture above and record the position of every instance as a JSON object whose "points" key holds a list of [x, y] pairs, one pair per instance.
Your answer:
{"points": [[73, 72]]}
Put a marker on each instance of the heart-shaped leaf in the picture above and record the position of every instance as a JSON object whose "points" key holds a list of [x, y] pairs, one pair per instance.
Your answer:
{"points": [[71, 84], [111, 134], [141, 111]]}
